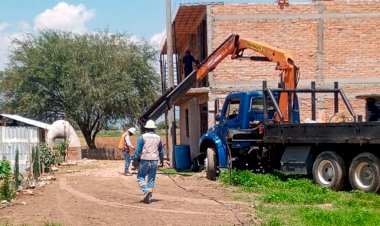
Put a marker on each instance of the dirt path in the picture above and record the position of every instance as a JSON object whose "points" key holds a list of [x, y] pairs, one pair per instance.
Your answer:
{"points": [[96, 194]]}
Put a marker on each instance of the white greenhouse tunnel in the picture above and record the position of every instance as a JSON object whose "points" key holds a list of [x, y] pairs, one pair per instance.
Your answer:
{"points": [[63, 129]]}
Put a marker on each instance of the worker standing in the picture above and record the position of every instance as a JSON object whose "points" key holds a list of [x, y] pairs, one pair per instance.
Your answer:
{"points": [[148, 151], [188, 61], [126, 148]]}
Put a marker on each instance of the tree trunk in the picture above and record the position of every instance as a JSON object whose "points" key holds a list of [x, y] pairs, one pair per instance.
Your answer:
{"points": [[87, 136], [90, 142], [89, 130]]}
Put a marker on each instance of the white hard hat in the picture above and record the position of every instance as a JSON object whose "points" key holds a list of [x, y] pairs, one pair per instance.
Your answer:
{"points": [[150, 124], [132, 130]]}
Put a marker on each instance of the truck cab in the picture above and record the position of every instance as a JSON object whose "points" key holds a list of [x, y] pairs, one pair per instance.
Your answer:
{"points": [[242, 111]]}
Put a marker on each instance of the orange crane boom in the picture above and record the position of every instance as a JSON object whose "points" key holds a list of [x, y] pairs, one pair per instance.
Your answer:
{"points": [[235, 47]]}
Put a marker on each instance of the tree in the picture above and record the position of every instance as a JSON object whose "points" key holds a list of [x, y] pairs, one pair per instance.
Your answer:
{"points": [[91, 79], [162, 125]]}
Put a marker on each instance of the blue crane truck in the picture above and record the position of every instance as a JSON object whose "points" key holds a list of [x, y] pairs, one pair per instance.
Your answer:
{"points": [[261, 130], [247, 136]]}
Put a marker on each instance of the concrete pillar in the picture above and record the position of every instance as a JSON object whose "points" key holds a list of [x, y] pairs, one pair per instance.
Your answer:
{"points": [[320, 77], [209, 24], [194, 127]]}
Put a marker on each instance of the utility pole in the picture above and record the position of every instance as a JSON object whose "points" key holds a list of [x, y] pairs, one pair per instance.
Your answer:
{"points": [[170, 114]]}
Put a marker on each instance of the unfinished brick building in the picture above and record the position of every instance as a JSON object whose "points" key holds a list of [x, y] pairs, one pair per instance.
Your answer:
{"points": [[329, 41]]}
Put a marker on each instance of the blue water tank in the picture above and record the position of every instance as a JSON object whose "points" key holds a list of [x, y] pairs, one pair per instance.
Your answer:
{"points": [[182, 157]]}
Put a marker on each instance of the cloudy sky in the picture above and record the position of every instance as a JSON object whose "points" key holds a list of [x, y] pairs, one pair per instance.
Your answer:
{"points": [[140, 18]]}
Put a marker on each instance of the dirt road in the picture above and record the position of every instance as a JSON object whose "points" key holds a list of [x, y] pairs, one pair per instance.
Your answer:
{"points": [[94, 193]]}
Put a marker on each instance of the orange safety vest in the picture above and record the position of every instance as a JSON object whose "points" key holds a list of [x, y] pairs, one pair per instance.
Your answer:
{"points": [[122, 143]]}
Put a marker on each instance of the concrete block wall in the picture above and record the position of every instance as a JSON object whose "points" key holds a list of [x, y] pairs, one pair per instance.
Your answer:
{"points": [[329, 41]]}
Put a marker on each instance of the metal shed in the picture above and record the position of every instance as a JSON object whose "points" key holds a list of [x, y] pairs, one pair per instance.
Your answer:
{"points": [[22, 134]]}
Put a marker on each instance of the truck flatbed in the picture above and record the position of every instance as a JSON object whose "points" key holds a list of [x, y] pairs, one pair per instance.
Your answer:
{"points": [[317, 133]]}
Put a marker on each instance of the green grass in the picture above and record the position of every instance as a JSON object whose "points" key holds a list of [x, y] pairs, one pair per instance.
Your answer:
{"points": [[109, 133], [52, 224], [168, 171], [339, 216], [288, 200], [171, 171]]}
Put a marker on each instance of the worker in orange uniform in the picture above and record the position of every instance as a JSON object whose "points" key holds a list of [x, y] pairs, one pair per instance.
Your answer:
{"points": [[126, 147]]}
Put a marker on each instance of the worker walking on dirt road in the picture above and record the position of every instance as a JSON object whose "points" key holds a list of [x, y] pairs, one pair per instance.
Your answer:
{"points": [[126, 148], [148, 150]]}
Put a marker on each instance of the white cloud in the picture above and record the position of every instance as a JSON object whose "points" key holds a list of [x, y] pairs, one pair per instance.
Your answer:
{"points": [[65, 17], [62, 16], [5, 40], [158, 39], [134, 38], [3, 26], [24, 26], [8, 32]]}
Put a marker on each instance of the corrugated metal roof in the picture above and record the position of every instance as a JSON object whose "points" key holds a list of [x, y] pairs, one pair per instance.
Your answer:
{"points": [[27, 121]]}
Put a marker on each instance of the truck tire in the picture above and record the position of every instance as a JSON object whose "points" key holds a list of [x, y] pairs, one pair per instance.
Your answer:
{"points": [[329, 170], [211, 164], [364, 173]]}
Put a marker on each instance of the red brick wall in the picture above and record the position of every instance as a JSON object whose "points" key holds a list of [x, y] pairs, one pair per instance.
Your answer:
{"points": [[351, 46], [73, 153], [323, 115], [294, 36]]}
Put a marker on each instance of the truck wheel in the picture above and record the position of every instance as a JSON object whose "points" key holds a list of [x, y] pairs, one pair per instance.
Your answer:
{"points": [[211, 164], [329, 170], [364, 173]]}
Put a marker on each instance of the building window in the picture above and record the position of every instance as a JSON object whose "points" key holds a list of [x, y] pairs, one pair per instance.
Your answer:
{"points": [[187, 122], [203, 117]]}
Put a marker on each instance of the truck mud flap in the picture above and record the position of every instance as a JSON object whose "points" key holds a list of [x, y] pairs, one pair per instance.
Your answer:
{"points": [[297, 160]]}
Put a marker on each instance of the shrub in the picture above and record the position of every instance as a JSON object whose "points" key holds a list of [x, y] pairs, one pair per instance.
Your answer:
{"points": [[47, 156], [6, 190], [36, 162], [61, 147], [5, 169], [17, 170]]}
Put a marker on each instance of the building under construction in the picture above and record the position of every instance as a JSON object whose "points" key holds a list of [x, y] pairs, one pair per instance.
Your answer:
{"points": [[330, 41]]}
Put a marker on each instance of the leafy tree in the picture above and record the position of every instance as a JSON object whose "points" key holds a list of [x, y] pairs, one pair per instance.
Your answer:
{"points": [[162, 125], [91, 79]]}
